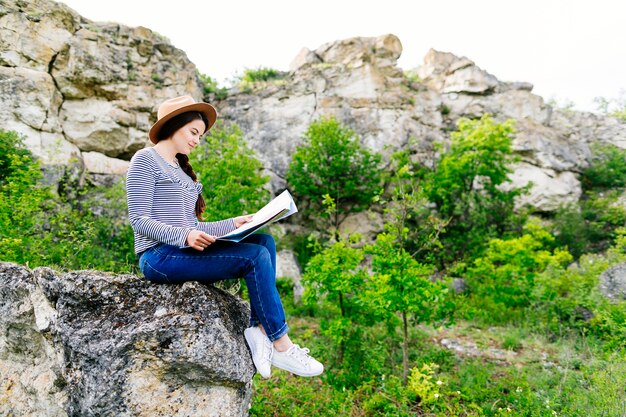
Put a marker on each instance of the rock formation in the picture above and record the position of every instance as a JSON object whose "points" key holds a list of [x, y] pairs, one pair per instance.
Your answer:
{"points": [[80, 88], [612, 282], [357, 80], [89, 344]]}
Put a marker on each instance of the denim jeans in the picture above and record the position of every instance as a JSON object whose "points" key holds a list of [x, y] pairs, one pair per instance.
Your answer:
{"points": [[254, 259]]}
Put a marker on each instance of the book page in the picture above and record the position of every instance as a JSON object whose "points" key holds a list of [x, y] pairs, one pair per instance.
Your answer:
{"points": [[277, 209]]}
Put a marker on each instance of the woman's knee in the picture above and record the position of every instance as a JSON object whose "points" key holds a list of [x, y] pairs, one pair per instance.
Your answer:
{"points": [[262, 239]]}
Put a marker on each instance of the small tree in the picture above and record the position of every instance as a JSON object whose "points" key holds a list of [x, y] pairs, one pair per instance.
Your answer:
{"points": [[409, 215], [335, 279], [331, 162], [400, 290], [232, 178], [467, 189]]}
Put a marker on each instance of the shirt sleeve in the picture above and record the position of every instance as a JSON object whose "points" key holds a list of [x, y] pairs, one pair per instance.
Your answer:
{"points": [[218, 228], [140, 186]]}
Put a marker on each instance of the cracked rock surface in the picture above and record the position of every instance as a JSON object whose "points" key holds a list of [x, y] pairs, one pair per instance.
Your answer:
{"points": [[86, 343], [71, 85], [78, 88]]}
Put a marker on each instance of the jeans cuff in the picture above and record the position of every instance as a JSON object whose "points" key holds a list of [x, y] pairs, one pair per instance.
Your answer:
{"points": [[278, 334]]}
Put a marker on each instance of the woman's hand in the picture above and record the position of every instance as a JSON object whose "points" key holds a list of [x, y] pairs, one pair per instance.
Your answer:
{"points": [[199, 240], [241, 220]]}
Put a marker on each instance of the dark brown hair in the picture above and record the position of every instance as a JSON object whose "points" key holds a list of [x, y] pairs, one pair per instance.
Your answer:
{"points": [[167, 131]]}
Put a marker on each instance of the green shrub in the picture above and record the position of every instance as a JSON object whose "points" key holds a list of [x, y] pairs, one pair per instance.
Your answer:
{"points": [[232, 178], [502, 280], [466, 187], [210, 87], [39, 227], [331, 167], [590, 225], [607, 168], [569, 297], [260, 74]]}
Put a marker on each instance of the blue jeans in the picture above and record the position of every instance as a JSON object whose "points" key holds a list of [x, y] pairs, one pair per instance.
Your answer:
{"points": [[254, 259]]}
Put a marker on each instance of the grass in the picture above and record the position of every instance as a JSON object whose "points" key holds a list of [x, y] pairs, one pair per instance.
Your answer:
{"points": [[496, 371]]}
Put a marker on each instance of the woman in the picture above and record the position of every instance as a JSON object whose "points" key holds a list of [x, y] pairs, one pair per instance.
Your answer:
{"points": [[165, 206]]}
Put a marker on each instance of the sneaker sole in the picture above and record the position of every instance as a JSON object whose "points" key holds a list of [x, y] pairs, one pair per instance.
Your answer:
{"points": [[296, 372], [250, 341]]}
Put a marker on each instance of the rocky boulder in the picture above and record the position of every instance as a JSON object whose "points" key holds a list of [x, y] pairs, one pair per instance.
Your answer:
{"points": [[71, 85], [613, 282], [88, 343]]}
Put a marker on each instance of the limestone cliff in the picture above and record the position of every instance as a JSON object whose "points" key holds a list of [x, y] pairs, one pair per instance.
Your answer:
{"points": [[89, 344], [83, 89], [358, 81]]}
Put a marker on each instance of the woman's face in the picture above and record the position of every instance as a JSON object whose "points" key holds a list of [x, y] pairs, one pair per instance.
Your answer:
{"points": [[188, 137]]}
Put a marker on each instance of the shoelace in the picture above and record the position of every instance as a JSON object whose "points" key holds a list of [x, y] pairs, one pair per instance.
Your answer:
{"points": [[301, 354]]}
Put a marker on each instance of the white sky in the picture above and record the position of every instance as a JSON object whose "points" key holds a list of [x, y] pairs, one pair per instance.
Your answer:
{"points": [[570, 50]]}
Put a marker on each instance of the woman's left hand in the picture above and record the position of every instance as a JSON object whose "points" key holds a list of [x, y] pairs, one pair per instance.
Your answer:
{"points": [[241, 220]]}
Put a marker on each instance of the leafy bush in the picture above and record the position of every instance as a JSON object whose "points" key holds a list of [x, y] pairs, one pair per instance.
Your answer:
{"points": [[467, 189], [210, 87], [502, 280], [232, 177], [607, 168], [590, 225], [570, 298], [39, 227], [260, 74], [331, 165]]}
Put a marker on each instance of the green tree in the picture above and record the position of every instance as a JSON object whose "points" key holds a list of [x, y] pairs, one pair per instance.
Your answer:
{"points": [[400, 291], [335, 279], [467, 189], [408, 213], [232, 177], [331, 162]]}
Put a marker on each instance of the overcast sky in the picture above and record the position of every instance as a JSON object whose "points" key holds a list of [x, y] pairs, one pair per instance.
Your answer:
{"points": [[570, 50]]}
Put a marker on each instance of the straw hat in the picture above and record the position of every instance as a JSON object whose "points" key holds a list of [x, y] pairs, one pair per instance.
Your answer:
{"points": [[178, 105]]}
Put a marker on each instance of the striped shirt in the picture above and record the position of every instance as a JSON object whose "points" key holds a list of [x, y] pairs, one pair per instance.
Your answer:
{"points": [[162, 201]]}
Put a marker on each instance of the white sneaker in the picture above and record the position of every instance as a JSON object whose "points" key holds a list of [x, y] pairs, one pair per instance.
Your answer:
{"points": [[297, 361], [261, 349]]}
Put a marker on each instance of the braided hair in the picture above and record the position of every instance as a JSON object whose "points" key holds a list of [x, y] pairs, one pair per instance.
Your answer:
{"points": [[167, 131]]}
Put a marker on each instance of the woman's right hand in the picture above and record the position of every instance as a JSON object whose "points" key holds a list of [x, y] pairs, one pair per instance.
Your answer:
{"points": [[199, 240]]}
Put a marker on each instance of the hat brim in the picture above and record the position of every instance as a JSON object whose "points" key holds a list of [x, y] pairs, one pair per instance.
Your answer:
{"points": [[205, 108]]}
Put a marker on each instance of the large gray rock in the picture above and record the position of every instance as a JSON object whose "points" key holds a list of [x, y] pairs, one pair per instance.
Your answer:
{"points": [[87, 344], [287, 267], [72, 85], [613, 282]]}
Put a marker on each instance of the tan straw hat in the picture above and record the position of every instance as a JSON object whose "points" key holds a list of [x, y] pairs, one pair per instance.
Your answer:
{"points": [[178, 105]]}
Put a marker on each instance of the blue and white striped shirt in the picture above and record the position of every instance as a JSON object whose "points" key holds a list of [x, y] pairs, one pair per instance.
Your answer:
{"points": [[162, 201]]}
